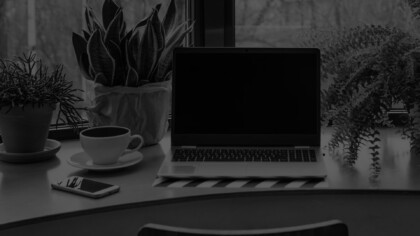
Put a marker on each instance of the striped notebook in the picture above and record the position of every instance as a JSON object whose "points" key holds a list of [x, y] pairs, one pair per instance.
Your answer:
{"points": [[238, 183]]}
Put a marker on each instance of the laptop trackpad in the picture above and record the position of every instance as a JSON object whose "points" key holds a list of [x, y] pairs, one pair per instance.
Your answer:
{"points": [[184, 169]]}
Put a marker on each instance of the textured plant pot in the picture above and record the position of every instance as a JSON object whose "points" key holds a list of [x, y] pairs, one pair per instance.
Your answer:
{"points": [[25, 130], [144, 110]]}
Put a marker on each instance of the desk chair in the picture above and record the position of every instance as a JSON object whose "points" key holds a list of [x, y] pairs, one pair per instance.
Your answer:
{"points": [[327, 228]]}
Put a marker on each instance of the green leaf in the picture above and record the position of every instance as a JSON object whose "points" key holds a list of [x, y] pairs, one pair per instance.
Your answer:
{"points": [[109, 11], [101, 79], [143, 82], [169, 21], [116, 53], [114, 28], [80, 47], [100, 59], [141, 23], [126, 37], [151, 46], [84, 66], [88, 20], [79, 44], [132, 77], [86, 35], [95, 24], [133, 49], [179, 32], [173, 41], [91, 71], [123, 29]]}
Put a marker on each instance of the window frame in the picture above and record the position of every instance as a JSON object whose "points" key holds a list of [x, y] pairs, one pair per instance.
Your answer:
{"points": [[214, 23]]}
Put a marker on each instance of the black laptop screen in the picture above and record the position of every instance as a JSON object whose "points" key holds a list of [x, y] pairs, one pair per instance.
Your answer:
{"points": [[246, 92]]}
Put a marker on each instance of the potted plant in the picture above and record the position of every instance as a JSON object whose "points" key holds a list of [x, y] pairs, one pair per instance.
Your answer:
{"points": [[368, 69], [29, 93], [130, 69]]}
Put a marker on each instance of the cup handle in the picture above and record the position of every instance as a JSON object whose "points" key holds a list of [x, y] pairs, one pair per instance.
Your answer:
{"points": [[138, 146]]}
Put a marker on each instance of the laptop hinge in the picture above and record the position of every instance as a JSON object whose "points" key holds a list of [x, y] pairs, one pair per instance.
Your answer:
{"points": [[188, 146], [302, 147]]}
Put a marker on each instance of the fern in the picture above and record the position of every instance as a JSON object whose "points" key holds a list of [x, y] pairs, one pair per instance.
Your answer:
{"points": [[368, 68]]}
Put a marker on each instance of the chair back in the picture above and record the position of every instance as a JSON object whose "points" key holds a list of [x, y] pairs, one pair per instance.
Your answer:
{"points": [[327, 228]]}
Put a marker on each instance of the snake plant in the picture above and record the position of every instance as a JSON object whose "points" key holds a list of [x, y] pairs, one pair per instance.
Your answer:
{"points": [[111, 55]]}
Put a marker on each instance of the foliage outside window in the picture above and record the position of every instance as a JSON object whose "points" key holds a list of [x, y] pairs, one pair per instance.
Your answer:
{"points": [[284, 23]]}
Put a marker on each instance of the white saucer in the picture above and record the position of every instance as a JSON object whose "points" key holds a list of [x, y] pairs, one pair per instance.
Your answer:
{"points": [[51, 148], [82, 160]]}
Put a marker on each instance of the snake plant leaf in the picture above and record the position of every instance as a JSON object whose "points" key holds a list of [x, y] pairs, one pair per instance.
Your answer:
{"points": [[179, 32], [100, 59], [88, 21], [170, 17], [133, 49], [159, 40], [136, 28], [143, 82], [101, 79], [86, 35], [91, 72], [123, 28], [84, 66], [95, 23], [151, 46], [126, 37], [142, 23], [132, 78], [124, 43], [173, 40], [114, 28], [116, 53], [109, 10], [80, 45]]}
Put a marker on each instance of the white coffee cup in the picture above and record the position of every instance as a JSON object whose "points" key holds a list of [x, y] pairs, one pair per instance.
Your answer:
{"points": [[106, 144]]}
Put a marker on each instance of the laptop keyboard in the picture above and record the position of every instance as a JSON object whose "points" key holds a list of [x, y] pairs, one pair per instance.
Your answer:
{"points": [[243, 155]]}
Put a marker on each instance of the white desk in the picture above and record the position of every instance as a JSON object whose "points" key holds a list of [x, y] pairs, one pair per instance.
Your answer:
{"points": [[27, 203]]}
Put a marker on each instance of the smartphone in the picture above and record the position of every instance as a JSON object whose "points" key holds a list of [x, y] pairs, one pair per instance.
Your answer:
{"points": [[85, 187]]}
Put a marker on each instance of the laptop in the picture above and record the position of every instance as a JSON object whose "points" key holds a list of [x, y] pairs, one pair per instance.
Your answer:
{"points": [[245, 113]]}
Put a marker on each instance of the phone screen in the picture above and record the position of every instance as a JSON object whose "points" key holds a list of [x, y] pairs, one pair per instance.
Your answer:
{"points": [[83, 184]]}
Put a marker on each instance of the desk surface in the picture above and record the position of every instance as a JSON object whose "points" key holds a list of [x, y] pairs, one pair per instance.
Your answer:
{"points": [[26, 196]]}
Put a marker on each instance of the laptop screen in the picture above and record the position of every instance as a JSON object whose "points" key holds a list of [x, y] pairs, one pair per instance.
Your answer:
{"points": [[246, 93]]}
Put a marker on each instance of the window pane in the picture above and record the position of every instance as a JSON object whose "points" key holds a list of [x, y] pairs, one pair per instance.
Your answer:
{"points": [[46, 26], [283, 23]]}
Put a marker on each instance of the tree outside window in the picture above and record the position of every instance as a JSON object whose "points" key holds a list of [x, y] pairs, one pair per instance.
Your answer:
{"points": [[284, 23]]}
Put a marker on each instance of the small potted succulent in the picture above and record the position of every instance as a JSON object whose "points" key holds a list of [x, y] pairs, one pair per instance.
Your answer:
{"points": [[29, 93], [131, 70]]}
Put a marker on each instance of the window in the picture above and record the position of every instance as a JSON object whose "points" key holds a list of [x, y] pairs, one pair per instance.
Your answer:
{"points": [[284, 23], [287, 23], [46, 26]]}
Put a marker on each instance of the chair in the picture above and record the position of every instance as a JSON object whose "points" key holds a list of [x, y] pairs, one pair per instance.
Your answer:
{"points": [[327, 228]]}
